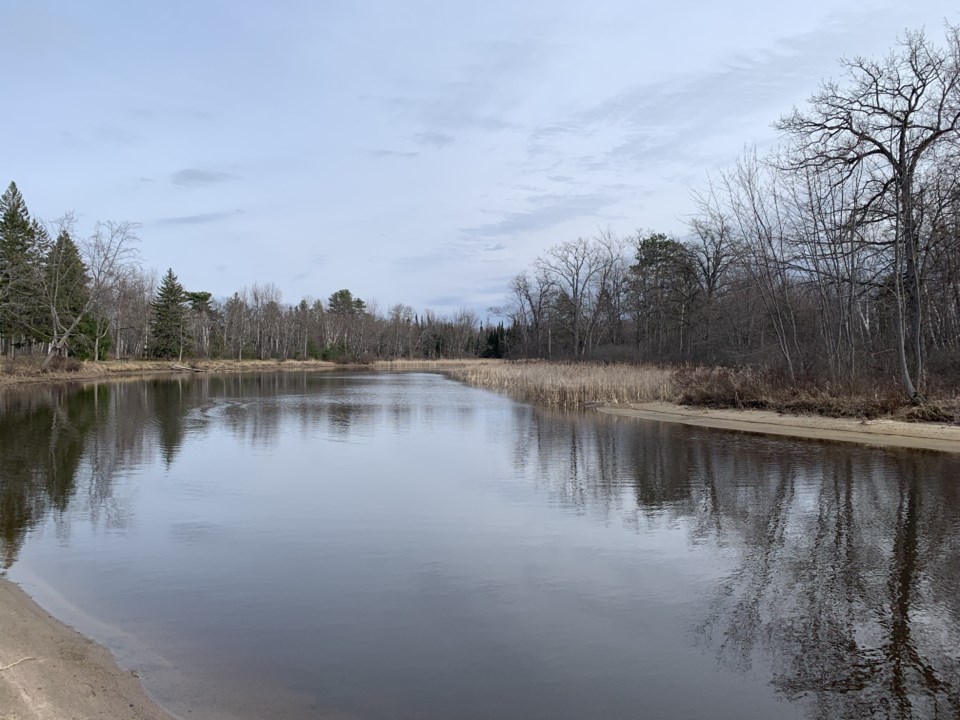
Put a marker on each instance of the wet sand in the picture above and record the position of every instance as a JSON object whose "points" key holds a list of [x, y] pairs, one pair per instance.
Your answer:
{"points": [[50, 671], [885, 433]]}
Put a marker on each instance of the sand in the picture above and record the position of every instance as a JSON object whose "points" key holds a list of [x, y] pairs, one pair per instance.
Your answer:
{"points": [[50, 671], [885, 433]]}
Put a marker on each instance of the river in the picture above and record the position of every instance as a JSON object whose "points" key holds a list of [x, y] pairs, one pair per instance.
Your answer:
{"points": [[401, 546]]}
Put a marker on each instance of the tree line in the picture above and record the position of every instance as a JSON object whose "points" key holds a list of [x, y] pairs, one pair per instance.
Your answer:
{"points": [[92, 299], [834, 258]]}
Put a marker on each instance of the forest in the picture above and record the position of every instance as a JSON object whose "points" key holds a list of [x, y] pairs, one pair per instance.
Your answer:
{"points": [[832, 259]]}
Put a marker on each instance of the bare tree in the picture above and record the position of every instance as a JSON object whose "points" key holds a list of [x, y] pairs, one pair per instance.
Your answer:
{"points": [[108, 253], [887, 119]]}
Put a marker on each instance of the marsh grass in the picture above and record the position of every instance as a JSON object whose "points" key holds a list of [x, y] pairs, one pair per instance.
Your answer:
{"points": [[570, 385]]}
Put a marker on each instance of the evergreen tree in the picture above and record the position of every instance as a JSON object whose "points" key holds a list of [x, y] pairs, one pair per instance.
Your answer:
{"points": [[20, 263], [168, 322], [66, 296]]}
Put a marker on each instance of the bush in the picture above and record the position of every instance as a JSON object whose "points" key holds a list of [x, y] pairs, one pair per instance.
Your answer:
{"points": [[64, 365]]}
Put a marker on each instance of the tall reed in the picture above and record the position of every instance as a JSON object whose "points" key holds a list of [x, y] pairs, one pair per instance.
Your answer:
{"points": [[570, 385]]}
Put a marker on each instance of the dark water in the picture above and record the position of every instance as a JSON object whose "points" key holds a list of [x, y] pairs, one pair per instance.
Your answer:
{"points": [[401, 546]]}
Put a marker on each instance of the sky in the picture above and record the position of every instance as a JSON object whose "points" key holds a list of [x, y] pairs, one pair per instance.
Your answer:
{"points": [[415, 152]]}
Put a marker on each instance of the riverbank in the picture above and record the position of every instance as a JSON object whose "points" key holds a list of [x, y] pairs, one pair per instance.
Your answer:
{"points": [[30, 373], [692, 397], [50, 671], [723, 399], [880, 432]]}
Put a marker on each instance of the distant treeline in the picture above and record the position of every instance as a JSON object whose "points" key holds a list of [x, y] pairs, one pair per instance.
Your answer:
{"points": [[834, 259]]}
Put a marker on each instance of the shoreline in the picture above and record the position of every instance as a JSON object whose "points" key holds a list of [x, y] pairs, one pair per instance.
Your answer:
{"points": [[878, 433], [49, 670], [92, 371]]}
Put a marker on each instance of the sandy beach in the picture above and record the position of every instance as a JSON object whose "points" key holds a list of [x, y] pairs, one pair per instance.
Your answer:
{"points": [[49, 671], [881, 432]]}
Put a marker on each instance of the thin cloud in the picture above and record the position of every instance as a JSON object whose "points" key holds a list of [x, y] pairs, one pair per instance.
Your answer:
{"points": [[393, 153], [195, 177], [434, 139], [199, 219], [547, 211]]}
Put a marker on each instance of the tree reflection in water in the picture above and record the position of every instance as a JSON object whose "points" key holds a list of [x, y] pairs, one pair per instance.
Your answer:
{"points": [[847, 559], [846, 585]]}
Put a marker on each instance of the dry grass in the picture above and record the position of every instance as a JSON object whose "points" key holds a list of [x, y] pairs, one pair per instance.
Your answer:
{"points": [[26, 371], [403, 365], [570, 385]]}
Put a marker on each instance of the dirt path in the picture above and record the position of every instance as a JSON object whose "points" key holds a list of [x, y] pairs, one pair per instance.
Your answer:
{"points": [[49, 671], [888, 433]]}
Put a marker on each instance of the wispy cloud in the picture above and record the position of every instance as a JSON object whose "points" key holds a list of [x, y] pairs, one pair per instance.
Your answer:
{"points": [[195, 177], [675, 119], [381, 153], [199, 219], [434, 139], [546, 211]]}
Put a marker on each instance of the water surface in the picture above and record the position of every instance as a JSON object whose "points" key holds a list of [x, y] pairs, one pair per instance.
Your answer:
{"points": [[392, 546]]}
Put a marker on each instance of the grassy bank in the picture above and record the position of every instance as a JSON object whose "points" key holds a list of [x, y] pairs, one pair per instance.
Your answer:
{"points": [[26, 371], [570, 385]]}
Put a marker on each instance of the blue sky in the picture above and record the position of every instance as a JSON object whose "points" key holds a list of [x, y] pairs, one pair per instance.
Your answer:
{"points": [[421, 152]]}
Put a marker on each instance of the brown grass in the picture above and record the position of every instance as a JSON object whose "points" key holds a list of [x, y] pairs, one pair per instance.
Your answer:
{"points": [[569, 385], [26, 371]]}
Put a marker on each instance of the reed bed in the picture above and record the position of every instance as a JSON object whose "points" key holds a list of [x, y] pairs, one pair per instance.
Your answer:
{"points": [[570, 385], [444, 365]]}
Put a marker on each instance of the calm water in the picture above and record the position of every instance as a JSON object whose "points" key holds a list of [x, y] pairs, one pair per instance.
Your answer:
{"points": [[402, 546]]}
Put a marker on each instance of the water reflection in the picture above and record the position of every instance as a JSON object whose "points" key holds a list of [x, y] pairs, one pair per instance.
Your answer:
{"points": [[848, 559], [845, 583]]}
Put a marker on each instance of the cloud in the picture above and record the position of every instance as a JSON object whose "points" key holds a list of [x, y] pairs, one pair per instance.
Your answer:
{"points": [[435, 139], [486, 90], [199, 219], [547, 211], [115, 135], [194, 177], [447, 301], [680, 118], [393, 153]]}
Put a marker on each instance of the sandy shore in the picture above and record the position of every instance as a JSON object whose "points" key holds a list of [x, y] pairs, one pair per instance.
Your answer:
{"points": [[887, 433], [50, 671]]}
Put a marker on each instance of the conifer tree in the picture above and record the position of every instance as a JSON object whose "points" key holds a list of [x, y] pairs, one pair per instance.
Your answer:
{"points": [[66, 295], [20, 263], [168, 323]]}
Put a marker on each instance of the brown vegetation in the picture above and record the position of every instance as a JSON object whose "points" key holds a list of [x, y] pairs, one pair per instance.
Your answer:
{"points": [[575, 385], [28, 370], [570, 384]]}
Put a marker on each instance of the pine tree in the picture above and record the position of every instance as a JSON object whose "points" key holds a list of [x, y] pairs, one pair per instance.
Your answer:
{"points": [[168, 324], [66, 296], [20, 267]]}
